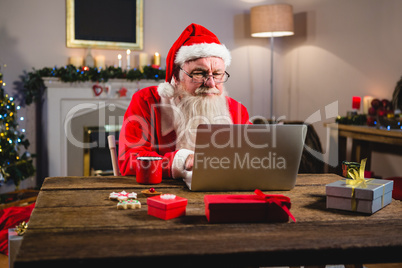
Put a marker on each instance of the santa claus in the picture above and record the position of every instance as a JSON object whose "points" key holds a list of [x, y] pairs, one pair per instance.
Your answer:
{"points": [[161, 121]]}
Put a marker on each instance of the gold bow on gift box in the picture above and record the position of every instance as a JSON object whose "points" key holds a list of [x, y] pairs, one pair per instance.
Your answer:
{"points": [[357, 178], [21, 228]]}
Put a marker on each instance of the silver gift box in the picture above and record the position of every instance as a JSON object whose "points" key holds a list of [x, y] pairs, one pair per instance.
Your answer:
{"points": [[368, 198]]}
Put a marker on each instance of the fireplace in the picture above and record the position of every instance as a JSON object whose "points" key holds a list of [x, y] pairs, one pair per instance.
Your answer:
{"points": [[97, 160], [69, 108], [86, 132]]}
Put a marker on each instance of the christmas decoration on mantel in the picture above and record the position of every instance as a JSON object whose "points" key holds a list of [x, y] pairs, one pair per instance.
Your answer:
{"points": [[14, 164], [34, 86]]}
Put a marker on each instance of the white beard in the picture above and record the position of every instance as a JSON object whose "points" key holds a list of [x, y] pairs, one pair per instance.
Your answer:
{"points": [[194, 110]]}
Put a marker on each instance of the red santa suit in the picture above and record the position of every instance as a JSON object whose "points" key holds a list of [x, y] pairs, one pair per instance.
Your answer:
{"points": [[148, 122], [144, 134]]}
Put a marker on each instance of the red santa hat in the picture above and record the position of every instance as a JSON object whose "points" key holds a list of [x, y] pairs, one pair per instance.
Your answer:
{"points": [[195, 42]]}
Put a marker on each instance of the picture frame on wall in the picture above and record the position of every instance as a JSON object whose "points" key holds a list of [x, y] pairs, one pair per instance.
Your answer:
{"points": [[104, 24]]}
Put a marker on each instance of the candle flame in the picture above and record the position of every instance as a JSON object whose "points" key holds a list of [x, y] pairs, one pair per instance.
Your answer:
{"points": [[128, 51], [119, 56]]}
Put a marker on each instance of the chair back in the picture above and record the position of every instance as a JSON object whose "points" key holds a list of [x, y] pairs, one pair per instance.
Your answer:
{"points": [[113, 154]]}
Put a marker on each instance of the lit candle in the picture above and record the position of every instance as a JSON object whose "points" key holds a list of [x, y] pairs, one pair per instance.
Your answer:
{"points": [[128, 59], [119, 57], [76, 61], [367, 103], [356, 102], [100, 62], [157, 59], [143, 61]]}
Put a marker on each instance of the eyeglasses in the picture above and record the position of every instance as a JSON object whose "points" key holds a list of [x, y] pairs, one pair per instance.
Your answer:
{"points": [[202, 77]]}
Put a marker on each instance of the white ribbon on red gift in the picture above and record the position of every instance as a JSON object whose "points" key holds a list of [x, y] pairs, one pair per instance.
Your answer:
{"points": [[277, 199]]}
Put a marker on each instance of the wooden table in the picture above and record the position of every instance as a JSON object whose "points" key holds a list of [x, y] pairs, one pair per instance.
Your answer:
{"points": [[74, 224], [364, 140]]}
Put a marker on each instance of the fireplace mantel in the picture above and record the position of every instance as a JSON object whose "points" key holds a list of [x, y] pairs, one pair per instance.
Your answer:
{"points": [[65, 101]]}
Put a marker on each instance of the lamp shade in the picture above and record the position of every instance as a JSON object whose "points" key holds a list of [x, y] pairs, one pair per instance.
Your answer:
{"points": [[271, 20]]}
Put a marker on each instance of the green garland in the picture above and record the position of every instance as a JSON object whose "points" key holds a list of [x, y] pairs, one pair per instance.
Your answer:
{"points": [[34, 86]]}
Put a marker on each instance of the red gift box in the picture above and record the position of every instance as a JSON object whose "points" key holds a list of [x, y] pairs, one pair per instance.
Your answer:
{"points": [[166, 207], [247, 208]]}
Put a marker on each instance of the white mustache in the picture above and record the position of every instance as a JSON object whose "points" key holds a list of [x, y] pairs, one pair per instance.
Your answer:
{"points": [[205, 90]]}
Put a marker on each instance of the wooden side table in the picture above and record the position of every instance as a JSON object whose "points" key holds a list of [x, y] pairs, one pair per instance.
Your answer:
{"points": [[364, 140]]}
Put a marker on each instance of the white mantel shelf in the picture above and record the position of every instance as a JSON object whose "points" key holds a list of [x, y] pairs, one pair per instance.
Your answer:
{"points": [[64, 101], [116, 85]]}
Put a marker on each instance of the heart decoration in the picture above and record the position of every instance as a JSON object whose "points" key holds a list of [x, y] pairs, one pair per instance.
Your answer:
{"points": [[97, 90]]}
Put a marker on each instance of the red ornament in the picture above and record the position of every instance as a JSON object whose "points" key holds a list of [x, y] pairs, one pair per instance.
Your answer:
{"points": [[151, 189], [107, 88], [372, 111], [376, 103], [385, 103], [382, 112]]}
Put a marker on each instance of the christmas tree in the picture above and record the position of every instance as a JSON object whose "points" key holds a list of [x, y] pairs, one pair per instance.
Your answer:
{"points": [[15, 164]]}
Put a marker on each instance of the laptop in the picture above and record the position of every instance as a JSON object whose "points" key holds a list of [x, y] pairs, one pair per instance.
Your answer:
{"points": [[246, 157]]}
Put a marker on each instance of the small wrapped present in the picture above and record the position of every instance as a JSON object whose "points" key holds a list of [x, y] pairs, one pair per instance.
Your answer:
{"points": [[359, 194], [166, 206], [349, 166], [247, 208]]}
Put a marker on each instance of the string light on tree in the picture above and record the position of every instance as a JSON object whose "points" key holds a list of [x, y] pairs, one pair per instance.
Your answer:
{"points": [[15, 161]]}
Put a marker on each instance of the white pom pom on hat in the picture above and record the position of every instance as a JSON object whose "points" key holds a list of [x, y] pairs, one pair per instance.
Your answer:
{"points": [[166, 90]]}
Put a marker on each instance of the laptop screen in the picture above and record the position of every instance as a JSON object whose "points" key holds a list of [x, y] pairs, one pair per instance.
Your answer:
{"points": [[246, 157]]}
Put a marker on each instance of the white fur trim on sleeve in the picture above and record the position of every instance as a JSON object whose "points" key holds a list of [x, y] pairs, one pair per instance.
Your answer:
{"points": [[178, 162], [166, 90], [203, 50]]}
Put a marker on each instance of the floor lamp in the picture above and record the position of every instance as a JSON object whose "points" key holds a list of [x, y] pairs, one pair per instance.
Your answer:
{"points": [[271, 21]]}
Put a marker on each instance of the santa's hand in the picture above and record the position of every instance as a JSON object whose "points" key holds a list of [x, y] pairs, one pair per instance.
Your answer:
{"points": [[189, 162], [182, 162], [187, 177]]}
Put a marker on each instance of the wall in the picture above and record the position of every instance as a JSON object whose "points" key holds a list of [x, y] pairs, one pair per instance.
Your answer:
{"points": [[341, 48]]}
